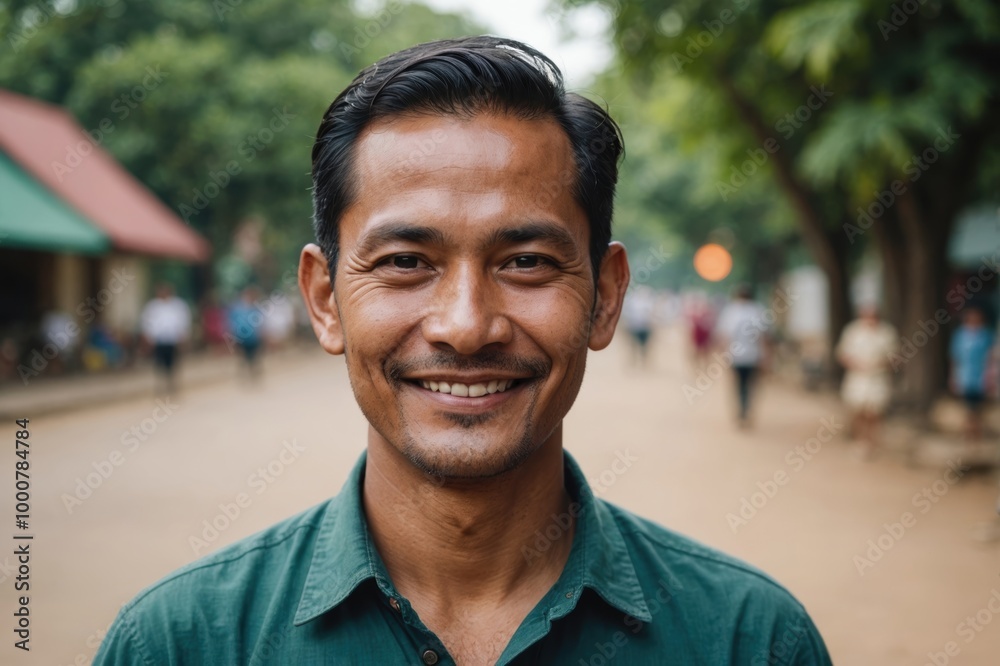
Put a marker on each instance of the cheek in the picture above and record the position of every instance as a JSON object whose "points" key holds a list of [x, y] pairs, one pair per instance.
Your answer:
{"points": [[559, 325]]}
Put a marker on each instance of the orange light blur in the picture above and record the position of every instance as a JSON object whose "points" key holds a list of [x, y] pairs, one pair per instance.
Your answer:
{"points": [[713, 262]]}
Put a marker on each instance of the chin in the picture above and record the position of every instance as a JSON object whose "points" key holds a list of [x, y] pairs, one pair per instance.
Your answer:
{"points": [[467, 455]]}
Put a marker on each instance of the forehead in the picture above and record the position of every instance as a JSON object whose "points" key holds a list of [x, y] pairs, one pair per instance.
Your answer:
{"points": [[463, 171]]}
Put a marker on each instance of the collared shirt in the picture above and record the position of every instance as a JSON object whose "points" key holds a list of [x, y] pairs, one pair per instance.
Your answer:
{"points": [[970, 354], [313, 590], [166, 321]]}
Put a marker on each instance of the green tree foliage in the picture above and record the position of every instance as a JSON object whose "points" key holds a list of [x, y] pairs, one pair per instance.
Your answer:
{"points": [[667, 194], [213, 103], [881, 117]]}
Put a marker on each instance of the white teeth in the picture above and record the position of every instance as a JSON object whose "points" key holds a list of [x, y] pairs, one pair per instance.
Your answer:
{"points": [[469, 390]]}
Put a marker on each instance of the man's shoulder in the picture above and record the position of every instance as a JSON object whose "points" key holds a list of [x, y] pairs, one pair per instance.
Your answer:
{"points": [[245, 577], [721, 602], [679, 563], [285, 542]]}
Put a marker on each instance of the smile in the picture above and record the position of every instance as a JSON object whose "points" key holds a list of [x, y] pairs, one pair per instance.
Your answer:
{"points": [[476, 390]]}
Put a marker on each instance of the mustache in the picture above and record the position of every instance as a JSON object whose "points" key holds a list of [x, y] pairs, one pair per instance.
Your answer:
{"points": [[396, 369]]}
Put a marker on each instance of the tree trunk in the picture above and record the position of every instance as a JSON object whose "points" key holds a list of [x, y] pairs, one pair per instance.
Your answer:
{"points": [[838, 313], [828, 246], [921, 362], [892, 250]]}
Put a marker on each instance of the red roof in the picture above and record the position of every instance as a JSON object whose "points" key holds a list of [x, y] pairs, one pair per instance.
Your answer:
{"points": [[48, 143]]}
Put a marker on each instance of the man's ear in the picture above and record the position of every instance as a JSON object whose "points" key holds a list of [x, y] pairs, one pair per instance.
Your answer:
{"points": [[612, 281], [317, 293]]}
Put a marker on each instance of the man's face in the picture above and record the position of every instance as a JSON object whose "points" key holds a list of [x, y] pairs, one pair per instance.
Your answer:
{"points": [[464, 296], [973, 318]]}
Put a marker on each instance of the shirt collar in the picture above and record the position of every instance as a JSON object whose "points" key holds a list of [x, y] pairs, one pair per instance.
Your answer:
{"points": [[344, 555]]}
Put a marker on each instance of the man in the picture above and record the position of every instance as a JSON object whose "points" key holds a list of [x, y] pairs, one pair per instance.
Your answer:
{"points": [[166, 324], [245, 323], [743, 328], [639, 312], [464, 267], [971, 350]]}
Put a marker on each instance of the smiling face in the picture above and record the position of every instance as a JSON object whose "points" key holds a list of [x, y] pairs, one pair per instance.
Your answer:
{"points": [[464, 297]]}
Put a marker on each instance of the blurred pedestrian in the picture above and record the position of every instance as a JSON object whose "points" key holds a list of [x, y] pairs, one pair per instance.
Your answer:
{"points": [[700, 325], [971, 353], [638, 313], [864, 350], [245, 321], [743, 329], [59, 329], [213, 323], [279, 324], [166, 325]]}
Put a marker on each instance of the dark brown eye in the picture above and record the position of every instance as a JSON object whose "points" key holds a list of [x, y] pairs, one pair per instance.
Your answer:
{"points": [[526, 261], [405, 261]]}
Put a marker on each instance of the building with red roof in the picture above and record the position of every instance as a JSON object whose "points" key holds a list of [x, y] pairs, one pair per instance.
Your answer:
{"points": [[77, 231]]}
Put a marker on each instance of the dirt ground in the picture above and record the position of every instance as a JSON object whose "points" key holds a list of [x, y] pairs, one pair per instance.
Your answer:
{"points": [[880, 553]]}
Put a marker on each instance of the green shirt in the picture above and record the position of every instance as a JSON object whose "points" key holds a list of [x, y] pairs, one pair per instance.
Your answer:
{"points": [[313, 590]]}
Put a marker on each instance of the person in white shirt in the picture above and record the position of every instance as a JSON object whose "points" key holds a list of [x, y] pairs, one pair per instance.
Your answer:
{"points": [[864, 350], [638, 312], [166, 324], [743, 328]]}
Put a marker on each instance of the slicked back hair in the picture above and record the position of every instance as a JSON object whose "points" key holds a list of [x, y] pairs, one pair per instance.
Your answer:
{"points": [[465, 77]]}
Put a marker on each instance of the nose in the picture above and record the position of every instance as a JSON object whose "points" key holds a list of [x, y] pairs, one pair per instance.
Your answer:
{"points": [[467, 313]]}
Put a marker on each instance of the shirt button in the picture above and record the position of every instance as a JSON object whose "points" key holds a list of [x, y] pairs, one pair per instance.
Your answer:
{"points": [[394, 604], [430, 657]]}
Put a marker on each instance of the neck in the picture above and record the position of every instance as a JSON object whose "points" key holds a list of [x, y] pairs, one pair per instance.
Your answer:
{"points": [[467, 541]]}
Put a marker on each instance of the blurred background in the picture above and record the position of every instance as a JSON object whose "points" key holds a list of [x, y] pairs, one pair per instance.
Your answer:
{"points": [[807, 365]]}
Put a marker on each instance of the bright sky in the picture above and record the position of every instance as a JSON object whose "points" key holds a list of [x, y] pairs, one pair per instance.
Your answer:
{"points": [[579, 57]]}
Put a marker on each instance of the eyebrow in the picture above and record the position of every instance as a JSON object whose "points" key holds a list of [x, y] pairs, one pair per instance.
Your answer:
{"points": [[399, 231], [547, 232]]}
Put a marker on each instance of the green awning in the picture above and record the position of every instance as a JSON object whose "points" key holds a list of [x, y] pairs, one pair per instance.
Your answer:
{"points": [[33, 218]]}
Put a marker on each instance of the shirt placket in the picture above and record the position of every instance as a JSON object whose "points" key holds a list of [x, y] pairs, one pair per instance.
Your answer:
{"points": [[428, 650]]}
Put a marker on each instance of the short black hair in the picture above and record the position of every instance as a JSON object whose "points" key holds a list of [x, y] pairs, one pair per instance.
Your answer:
{"points": [[465, 77]]}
